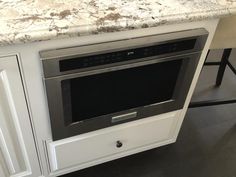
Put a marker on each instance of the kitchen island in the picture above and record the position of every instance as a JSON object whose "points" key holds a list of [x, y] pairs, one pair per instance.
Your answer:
{"points": [[29, 27]]}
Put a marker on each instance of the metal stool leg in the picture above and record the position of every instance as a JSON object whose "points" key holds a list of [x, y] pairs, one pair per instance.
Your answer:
{"points": [[223, 64]]}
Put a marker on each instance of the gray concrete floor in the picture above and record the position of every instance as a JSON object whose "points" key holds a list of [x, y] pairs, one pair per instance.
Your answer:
{"points": [[206, 145]]}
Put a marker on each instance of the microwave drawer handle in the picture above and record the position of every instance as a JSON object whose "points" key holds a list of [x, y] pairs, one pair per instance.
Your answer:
{"points": [[124, 117]]}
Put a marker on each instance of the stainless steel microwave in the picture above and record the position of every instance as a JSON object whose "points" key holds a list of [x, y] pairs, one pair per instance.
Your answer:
{"points": [[101, 85]]}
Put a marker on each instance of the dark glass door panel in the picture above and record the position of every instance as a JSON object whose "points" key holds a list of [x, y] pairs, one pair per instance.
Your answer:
{"points": [[101, 94]]}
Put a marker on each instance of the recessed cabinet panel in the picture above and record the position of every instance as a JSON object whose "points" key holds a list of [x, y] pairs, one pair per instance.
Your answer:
{"points": [[9, 142], [3, 168], [120, 139], [17, 148]]}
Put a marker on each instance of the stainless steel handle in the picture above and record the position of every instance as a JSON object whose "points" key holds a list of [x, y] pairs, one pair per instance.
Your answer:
{"points": [[124, 117]]}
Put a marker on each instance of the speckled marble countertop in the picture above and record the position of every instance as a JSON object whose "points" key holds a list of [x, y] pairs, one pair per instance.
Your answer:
{"points": [[24, 21]]}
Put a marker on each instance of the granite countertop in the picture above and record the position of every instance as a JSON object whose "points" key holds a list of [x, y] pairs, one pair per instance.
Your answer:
{"points": [[23, 21]]}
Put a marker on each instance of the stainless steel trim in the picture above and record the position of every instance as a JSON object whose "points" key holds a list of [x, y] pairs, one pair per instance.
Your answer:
{"points": [[151, 60], [124, 117], [50, 58], [119, 45], [155, 104], [53, 78], [60, 129]]}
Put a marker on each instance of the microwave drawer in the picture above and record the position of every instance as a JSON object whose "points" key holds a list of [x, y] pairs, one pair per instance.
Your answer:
{"points": [[106, 144]]}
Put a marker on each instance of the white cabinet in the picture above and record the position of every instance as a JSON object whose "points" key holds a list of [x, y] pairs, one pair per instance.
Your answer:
{"points": [[18, 156], [100, 146]]}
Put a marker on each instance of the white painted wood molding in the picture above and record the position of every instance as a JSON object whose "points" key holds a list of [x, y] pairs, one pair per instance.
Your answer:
{"points": [[13, 112]]}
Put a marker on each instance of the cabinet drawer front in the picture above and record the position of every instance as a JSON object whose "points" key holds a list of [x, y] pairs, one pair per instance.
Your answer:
{"points": [[103, 143]]}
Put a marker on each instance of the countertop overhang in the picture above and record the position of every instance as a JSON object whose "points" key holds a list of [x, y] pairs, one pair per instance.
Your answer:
{"points": [[23, 21]]}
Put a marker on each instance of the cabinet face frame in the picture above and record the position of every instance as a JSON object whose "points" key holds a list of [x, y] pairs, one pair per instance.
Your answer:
{"points": [[31, 70], [18, 150]]}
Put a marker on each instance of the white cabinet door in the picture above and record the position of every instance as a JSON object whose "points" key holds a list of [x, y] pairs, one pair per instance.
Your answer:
{"points": [[18, 156]]}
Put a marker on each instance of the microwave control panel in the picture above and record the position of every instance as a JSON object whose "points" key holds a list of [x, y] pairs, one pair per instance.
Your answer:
{"points": [[126, 55]]}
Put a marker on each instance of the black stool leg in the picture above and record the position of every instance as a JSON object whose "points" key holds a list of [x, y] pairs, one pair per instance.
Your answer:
{"points": [[223, 64]]}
